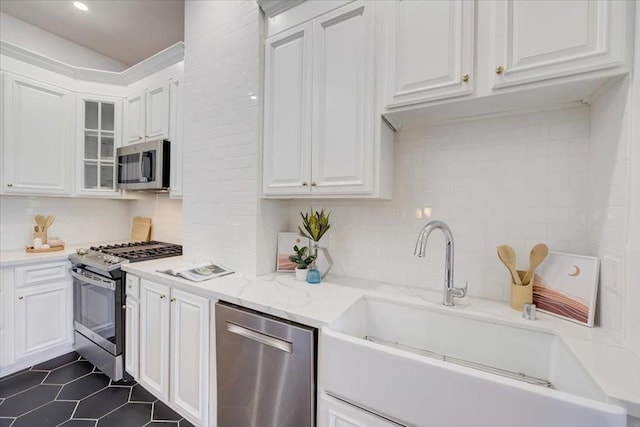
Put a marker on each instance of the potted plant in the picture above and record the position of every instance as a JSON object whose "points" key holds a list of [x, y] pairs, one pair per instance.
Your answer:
{"points": [[315, 224], [302, 261]]}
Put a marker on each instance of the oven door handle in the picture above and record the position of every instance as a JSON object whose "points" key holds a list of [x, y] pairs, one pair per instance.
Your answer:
{"points": [[103, 284]]}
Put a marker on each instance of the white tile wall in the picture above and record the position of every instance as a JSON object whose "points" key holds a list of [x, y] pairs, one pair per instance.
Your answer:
{"points": [[632, 297], [518, 180], [224, 219], [86, 220], [165, 214], [609, 200], [77, 220]]}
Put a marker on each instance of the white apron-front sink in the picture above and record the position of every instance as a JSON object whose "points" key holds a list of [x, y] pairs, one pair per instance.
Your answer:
{"points": [[493, 374]]}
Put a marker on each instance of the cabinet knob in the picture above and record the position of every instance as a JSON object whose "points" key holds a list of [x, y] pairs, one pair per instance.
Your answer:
{"points": [[20, 297], [173, 299], [500, 70], [305, 183], [313, 184], [162, 296], [130, 286], [9, 185], [124, 307], [465, 78]]}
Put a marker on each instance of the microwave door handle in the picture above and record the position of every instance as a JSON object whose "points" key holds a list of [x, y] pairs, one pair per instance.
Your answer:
{"points": [[141, 163]]}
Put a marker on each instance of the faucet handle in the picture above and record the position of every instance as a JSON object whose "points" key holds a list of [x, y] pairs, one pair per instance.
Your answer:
{"points": [[460, 292]]}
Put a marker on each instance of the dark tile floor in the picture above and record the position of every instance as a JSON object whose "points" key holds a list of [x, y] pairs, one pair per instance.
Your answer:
{"points": [[68, 391]]}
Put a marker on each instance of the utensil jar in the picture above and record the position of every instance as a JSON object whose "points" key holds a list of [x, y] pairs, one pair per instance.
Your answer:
{"points": [[521, 294]]}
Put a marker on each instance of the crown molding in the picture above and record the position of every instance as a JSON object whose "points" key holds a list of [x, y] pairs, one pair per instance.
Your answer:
{"points": [[171, 55]]}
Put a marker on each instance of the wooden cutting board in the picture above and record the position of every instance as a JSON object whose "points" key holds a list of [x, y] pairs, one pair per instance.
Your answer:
{"points": [[141, 229]]}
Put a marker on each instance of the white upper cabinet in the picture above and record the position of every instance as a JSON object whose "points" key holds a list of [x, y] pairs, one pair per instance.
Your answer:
{"points": [[322, 136], [38, 137], [134, 119], [176, 90], [287, 101], [147, 114], [430, 50], [157, 111], [99, 130], [538, 40], [343, 107]]}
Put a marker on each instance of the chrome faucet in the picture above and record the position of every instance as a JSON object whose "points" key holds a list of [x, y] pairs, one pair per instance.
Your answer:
{"points": [[450, 291]]}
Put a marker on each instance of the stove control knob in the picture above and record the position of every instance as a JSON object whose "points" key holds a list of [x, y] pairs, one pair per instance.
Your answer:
{"points": [[82, 251]]}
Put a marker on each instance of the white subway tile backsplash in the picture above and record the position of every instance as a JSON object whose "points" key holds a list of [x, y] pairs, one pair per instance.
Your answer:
{"points": [[494, 181], [224, 218], [80, 221]]}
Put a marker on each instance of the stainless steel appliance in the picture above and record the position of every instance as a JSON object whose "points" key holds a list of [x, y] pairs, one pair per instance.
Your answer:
{"points": [[144, 166], [266, 370], [99, 298]]}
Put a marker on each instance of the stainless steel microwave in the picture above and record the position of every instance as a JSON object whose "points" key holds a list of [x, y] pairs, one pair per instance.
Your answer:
{"points": [[144, 166]]}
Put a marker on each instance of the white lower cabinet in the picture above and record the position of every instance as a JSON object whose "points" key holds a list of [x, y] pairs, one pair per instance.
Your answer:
{"points": [[132, 326], [336, 413], [41, 318], [36, 314], [174, 348]]}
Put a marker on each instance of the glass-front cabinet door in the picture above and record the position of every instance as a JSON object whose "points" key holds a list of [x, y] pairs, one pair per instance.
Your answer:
{"points": [[99, 137]]}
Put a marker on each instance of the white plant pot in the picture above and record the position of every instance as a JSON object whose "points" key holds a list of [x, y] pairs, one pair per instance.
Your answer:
{"points": [[301, 274]]}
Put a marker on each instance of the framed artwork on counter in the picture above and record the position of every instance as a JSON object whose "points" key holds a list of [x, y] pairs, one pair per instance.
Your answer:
{"points": [[566, 285], [286, 242]]}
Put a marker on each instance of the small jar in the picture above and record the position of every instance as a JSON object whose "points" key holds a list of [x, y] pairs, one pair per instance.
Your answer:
{"points": [[313, 276]]}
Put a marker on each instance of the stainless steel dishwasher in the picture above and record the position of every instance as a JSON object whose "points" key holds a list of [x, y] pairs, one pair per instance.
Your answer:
{"points": [[266, 370]]}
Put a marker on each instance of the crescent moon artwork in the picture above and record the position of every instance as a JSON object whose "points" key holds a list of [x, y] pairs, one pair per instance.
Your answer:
{"points": [[575, 273]]}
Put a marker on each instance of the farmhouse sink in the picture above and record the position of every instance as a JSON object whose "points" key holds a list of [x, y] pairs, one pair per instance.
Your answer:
{"points": [[419, 366]]}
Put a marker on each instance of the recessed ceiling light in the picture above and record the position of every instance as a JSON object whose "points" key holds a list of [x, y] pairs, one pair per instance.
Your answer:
{"points": [[83, 7]]}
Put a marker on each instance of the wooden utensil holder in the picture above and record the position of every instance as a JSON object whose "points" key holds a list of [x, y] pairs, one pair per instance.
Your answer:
{"points": [[41, 234], [521, 294]]}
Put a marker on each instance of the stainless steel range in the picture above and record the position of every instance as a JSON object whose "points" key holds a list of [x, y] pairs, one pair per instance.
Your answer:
{"points": [[99, 299]]}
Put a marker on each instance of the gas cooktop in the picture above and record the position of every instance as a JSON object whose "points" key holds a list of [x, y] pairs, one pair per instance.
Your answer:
{"points": [[140, 251], [110, 257]]}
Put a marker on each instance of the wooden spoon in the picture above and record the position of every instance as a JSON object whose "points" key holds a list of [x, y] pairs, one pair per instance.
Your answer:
{"points": [[538, 254], [508, 257], [48, 222], [40, 221]]}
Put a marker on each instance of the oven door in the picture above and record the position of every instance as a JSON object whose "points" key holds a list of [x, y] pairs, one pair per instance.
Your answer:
{"points": [[97, 309]]}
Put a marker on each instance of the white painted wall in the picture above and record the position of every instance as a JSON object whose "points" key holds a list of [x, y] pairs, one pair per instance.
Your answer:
{"points": [[25, 35], [224, 218], [90, 221]]}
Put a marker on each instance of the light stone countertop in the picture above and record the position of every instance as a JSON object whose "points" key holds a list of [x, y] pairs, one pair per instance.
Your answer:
{"points": [[21, 257], [615, 368]]}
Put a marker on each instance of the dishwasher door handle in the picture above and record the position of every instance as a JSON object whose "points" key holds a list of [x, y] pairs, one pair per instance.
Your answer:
{"points": [[265, 339]]}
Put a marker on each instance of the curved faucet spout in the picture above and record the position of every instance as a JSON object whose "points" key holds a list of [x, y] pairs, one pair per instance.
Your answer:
{"points": [[450, 291]]}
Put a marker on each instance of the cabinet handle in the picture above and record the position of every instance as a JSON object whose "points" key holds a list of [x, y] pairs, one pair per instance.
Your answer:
{"points": [[130, 286], [162, 296], [313, 184], [304, 184], [500, 70], [9, 185], [20, 297], [124, 306], [173, 299], [465, 78]]}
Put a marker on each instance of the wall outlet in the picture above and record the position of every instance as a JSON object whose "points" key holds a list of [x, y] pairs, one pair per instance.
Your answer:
{"points": [[610, 273]]}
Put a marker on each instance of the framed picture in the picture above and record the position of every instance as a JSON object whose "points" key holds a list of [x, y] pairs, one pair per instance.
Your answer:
{"points": [[286, 242], [565, 285]]}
